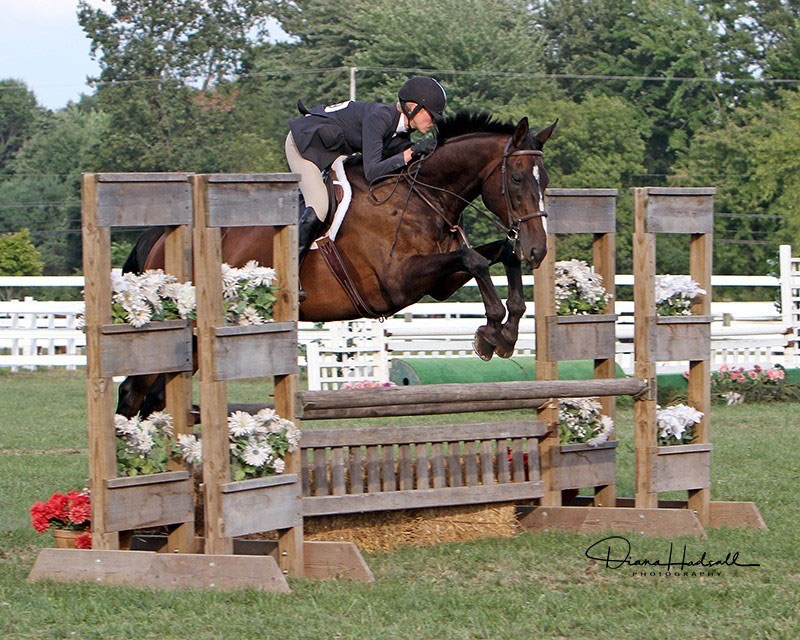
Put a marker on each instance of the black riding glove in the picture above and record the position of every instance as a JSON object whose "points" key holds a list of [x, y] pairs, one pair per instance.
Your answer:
{"points": [[424, 147]]}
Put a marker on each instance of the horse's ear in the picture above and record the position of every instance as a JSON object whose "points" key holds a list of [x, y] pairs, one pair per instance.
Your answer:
{"points": [[521, 132], [544, 135]]}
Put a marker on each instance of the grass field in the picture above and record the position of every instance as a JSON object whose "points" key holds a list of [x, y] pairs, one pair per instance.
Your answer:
{"points": [[530, 586]]}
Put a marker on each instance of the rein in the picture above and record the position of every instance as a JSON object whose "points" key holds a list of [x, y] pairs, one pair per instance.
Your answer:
{"points": [[511, 231]]}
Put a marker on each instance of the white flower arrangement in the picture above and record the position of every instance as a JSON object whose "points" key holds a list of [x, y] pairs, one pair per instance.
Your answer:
{"points": [[142, 445], [249, 293], [151, 296], [675, 294], [258, 444], [580, 420], [138, 299], [676, 424], [579, 290]]}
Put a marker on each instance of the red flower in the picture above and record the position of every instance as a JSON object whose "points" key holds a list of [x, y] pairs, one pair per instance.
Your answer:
{"points": [[80, 508], [56, 507], [39, 519], [84, 541]]}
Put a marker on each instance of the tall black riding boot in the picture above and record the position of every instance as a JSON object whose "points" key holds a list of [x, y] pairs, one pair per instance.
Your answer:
{"points": [[308, 230]]}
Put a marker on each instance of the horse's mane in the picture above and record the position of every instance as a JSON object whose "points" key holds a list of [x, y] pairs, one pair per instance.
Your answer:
{"points": [[468, 121]]}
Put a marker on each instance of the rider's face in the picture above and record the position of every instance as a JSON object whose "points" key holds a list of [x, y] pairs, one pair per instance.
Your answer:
{"points": [[423, 121]]}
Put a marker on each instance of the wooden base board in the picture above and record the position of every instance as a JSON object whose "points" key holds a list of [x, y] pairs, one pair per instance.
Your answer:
{"points": [[323, 560], [737, 515], [146, 569], [648, 522]]}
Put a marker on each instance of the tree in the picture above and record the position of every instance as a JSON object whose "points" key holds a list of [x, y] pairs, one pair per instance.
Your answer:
{"points": [[19, 112], [18, 256], [44, 195]]}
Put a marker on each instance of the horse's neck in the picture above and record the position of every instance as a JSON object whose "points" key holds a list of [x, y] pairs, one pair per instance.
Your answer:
{"points": [[459, 167]]}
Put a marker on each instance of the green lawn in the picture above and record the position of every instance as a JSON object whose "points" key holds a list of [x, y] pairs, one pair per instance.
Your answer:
{"points": [[530, 586]]}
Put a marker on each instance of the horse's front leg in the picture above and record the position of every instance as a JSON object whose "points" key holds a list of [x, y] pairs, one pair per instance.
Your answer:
{"points": [[515, 303], [444, 265]]}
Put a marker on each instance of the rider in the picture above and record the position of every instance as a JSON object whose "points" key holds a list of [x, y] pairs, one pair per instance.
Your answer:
{"points": [[380, 132]]}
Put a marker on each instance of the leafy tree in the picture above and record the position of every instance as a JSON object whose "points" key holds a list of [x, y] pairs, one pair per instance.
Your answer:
{"points": [[18, 256], [44, 195], [19, 112]]}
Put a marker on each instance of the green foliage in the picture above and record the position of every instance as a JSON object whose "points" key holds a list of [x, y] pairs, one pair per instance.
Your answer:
{"points": [[18, 256], [19, 113], [132, 463]]}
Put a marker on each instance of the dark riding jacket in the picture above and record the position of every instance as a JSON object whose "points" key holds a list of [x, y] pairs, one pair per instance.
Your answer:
{"points": [[326, 132]]}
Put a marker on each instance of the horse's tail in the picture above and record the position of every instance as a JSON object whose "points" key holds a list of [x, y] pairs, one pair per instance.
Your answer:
{"points": [[144, 244]]}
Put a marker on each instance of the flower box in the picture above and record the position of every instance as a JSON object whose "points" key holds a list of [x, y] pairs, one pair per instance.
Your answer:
{"points": [[261, 504], [680, 467], [680, 338], [149, 501], [255, 351], [582, 337], [157, 347], [580, 465]]}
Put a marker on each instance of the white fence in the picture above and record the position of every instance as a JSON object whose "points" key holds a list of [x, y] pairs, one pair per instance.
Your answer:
{"points": [[34, 333]]}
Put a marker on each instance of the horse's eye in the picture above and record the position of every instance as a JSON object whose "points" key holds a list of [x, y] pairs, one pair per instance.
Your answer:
{"points": [[516, 179]]}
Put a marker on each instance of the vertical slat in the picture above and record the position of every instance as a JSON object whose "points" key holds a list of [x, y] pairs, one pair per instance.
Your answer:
{"points": [[406, 472], [470, 464], [356, 470], [422, 462], [533, 459], [546, 369], [99, 391], [517, 460], [454, 469], [373, 470], [337, 471], [487, 462], [213, 393], [502, 462], [321, 487], [305, 471], [389, 479], [437, 466], [644, 269]]}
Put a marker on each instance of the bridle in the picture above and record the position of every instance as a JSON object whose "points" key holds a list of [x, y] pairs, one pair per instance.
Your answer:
{"points": [[511, 230]]}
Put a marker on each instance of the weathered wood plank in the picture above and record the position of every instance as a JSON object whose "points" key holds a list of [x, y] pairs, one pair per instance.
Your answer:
{"points": [[144, 204], [389, 479], [683, 213], [255, 356], [145, 569], [258, 329], [149, 505], [136, 353], [406, 472], [679, 341], [263, 509], [580, 466], [356, 470], [337, 471], [258, 483], [420, 498], [425, 409], [437, 466], [321, 487], [581, 212], [470, 464], [416, 434], [253, 177], [454, 470], [487, 462], [243, 204], [373, 470], [517, 461], [676, 471], [422, 466], [153, 478], [503, 475], [576, 340]]}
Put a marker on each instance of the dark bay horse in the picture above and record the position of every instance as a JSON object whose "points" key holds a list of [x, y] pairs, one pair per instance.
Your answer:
{"points": [[400, 246]]}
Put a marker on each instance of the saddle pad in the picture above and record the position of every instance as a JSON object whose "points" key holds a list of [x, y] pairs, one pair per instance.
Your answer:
{"points": [[340, 178]]}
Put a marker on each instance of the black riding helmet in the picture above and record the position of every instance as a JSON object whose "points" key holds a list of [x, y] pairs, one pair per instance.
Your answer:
{"points": [[427, 93]]}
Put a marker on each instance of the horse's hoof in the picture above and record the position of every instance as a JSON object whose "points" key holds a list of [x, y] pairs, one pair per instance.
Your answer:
{"points": [[483, 344], [504, 350]]}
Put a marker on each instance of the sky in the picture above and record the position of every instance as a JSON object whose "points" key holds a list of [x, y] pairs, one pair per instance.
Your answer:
{"points": [[44, 46]]}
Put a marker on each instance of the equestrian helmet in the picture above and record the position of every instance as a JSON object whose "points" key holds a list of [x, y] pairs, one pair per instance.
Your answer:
{"points": [[427, 93]]}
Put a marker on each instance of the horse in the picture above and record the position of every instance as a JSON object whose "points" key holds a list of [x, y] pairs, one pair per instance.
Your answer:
{"points": [[401, 239]]}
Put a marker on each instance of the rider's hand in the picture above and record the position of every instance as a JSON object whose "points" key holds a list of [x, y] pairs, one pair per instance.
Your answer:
{"points": [[407, 155], [424, 147]]}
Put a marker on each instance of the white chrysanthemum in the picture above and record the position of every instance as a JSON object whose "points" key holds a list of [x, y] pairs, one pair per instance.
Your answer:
{"points": [[162, 421], [126, 427], [279, 465], [674, 421], [257, 275], [250, 316], [256, 454], [241, 423], [668, 286], [142, 439], [230, 281], [184, 295], [118, 282], [191, 448]]}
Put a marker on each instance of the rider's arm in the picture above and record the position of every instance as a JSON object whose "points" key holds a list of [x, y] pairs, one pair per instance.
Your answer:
{"points": [[373, 130]]}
